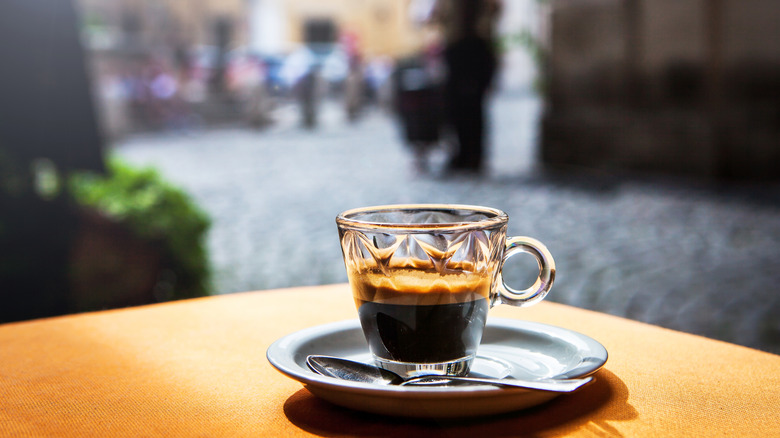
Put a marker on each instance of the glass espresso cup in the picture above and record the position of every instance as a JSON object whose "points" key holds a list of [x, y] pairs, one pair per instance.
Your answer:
{"points": [[424, 277]]}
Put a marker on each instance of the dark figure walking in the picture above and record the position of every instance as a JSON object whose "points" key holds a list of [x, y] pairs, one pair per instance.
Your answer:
{"points": [[308, 96], [471, 64]]}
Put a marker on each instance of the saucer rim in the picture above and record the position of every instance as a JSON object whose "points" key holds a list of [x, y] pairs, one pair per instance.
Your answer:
{"points": [[280, 355]]}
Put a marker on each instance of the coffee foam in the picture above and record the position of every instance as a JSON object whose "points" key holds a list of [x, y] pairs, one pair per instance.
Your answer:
{"points": [[418, 287]]}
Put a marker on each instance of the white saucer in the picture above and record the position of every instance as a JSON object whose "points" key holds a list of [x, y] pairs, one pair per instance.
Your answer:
{"points": [[510, 348]]}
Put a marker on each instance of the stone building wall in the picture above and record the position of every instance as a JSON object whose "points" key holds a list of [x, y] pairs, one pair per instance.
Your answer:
{"points": [[687, 87]]}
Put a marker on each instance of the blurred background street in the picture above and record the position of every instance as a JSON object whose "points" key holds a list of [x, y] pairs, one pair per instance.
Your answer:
{"points": [[637, 139], [687, 255]]}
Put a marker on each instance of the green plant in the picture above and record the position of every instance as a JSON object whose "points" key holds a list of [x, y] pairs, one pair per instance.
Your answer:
{"points": [[531, 43], [152, 209], [525, 39]]}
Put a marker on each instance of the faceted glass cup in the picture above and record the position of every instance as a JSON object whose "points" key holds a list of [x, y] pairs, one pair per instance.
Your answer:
{"points": [[424, 277]]}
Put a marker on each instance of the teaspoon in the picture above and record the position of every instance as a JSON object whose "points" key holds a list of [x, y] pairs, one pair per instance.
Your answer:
{"points": [[360, 372]]}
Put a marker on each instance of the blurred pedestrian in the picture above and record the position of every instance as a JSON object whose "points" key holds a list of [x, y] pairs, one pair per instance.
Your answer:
{"points": [[378, 74], [246, 79], [471, 61], [308, 91], [354, 88]]}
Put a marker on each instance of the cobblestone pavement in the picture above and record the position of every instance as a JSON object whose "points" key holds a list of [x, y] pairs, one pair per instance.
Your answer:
{"points": [[685, 255]]}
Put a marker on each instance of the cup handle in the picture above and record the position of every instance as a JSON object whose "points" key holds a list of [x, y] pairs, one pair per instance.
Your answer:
{"points": [[537, 292]]}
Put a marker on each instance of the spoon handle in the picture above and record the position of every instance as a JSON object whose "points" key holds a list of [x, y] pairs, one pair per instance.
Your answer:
{"points": [[563, 385]]}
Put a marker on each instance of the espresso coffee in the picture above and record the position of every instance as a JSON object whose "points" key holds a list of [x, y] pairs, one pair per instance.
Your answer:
{"points": [[423, 334], [420, 317]]}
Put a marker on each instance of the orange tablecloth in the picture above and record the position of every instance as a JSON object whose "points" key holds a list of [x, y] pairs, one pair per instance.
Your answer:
{"points": [[198, 368]]}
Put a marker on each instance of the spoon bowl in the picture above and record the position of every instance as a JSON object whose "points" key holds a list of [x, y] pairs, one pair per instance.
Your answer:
{"points": [[360, 372]]}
